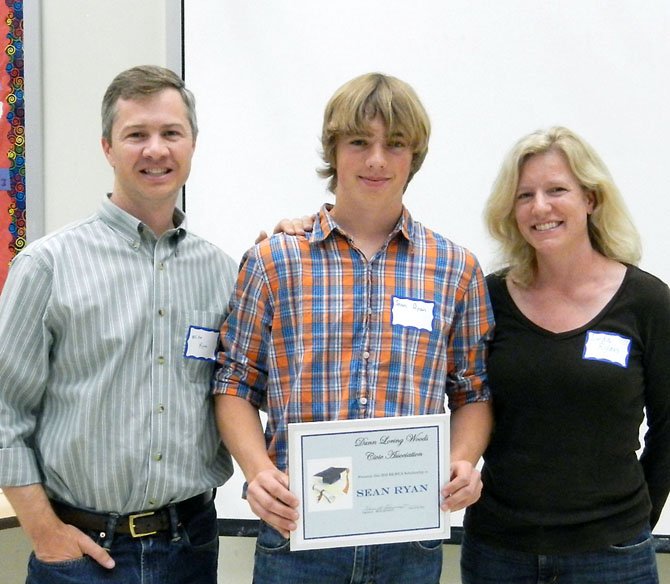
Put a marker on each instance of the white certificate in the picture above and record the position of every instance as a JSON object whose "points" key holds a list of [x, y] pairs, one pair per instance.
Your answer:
{"points": [[370, 481]]}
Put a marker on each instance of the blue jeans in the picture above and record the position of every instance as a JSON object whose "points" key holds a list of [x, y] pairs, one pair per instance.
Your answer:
{"points": [[632, 562], [146, 560], [415, 562]]}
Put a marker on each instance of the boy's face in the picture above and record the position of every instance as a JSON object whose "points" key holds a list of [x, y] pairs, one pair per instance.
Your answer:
{"points": [[373, 167]]}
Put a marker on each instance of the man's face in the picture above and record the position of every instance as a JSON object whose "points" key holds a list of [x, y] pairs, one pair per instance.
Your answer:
{"points": [[373, 167], [151, 150]]}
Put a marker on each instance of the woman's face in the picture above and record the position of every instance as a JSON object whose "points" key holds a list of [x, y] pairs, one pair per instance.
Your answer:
{"points": [[551, 207]]}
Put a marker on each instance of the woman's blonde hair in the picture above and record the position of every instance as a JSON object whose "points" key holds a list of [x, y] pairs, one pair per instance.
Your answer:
{"points": [[610, 227], [355, 104]]}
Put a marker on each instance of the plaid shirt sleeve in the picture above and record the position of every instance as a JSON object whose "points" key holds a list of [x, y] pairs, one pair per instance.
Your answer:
{"points": [[242, 365], [467, 350]]}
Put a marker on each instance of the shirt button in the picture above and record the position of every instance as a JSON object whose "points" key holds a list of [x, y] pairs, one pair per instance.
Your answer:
{"points": [[161, 312], [363, 401], [158, 457], [135, 245], [152, 502], [161, 266], [161, 360], [366, 355], [160, 409]]}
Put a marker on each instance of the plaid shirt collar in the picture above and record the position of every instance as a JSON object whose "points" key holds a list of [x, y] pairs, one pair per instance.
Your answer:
{"points": [[325, 225]]}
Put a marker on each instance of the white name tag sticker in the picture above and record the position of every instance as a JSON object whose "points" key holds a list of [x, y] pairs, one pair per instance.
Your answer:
{"points": [[201, 343], [610, 347], [412, 312]]}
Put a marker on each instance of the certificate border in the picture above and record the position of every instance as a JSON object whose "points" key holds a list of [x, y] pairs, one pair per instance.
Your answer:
{"points": [[297, 432]]}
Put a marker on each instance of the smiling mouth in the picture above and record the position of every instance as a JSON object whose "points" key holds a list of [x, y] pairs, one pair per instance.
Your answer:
{"points": [[156, 171], [375, 179], [546, 226]]}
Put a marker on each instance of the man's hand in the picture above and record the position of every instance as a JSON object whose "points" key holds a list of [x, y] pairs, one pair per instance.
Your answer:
{"points": [[66, 542], [52, 540], [270, 499], [298, 226], [464, 488]]}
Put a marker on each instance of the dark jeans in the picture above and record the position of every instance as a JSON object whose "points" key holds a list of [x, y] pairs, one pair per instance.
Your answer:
{"points": [[395, 563], [147, 560], [632, 562]]}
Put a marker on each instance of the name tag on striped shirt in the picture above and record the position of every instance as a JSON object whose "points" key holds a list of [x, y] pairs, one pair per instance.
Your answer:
{"points": [[412, 312], [201, 343]]}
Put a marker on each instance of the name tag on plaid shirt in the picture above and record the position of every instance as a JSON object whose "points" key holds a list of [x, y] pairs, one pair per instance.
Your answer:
{"points": [[412, 312]]}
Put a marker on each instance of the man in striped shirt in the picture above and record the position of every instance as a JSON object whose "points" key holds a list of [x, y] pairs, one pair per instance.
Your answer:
{"points": [[311, 334], [108, 447]]}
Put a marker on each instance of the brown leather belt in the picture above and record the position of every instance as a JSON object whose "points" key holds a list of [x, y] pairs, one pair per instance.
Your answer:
{"points": [[140, 524]]}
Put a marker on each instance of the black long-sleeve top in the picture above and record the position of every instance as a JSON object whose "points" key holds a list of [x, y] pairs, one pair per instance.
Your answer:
{"points": [[561, 473]]}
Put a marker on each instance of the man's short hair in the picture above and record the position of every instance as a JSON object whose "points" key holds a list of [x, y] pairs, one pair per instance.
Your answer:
{"points": [[355, 104], [139, 83]]}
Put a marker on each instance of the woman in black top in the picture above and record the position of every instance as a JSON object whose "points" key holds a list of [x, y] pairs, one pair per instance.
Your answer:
{"points": [[581, 349]]}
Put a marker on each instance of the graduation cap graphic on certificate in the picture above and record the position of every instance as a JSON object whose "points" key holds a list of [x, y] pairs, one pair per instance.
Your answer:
{"points": [[330, 485]]}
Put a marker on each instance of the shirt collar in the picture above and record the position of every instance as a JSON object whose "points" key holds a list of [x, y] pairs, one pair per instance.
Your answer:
{"points": [[325, 225], [131, 227]]}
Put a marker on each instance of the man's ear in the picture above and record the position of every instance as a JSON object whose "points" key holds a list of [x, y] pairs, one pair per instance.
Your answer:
{"points": [[107, 149]]}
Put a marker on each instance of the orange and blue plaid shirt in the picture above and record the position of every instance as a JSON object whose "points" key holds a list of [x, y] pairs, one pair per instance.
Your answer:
{"points": [[318, 332]]}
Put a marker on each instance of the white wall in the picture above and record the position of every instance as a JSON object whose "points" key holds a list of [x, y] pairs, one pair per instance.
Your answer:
{"points": [[487, 72], [85, 43]]}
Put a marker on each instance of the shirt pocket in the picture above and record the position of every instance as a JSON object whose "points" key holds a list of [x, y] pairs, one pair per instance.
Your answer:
{"points": [[198, 365]]}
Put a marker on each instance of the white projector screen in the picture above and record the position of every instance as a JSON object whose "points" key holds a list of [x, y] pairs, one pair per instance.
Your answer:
{"points": [[487, 72]]}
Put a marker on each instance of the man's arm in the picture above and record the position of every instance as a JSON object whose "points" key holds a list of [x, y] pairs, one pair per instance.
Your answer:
{"points": [[267, 487], [471, 427], [24, 365], [52, 540]]}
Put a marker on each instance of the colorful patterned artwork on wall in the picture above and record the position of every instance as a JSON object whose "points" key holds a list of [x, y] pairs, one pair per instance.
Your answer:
{"points": [[12, 135]]}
